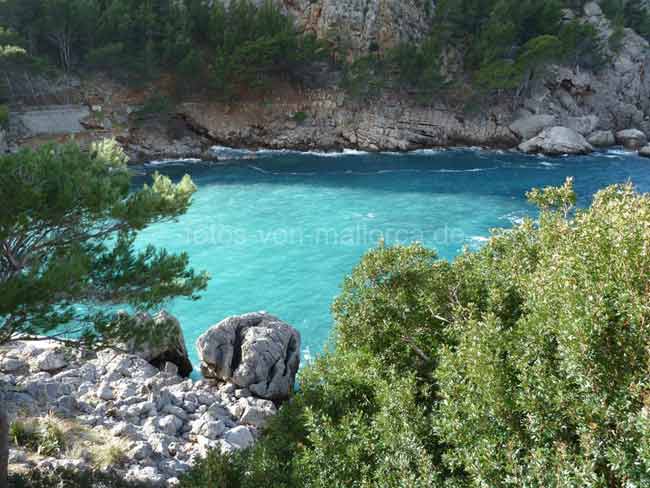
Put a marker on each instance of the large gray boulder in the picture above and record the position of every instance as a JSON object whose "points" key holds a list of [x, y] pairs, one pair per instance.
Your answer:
{"points": [[645, 151], [168, 345], [256, 351], [631, 138], [602, 138], [530, 126], [556, 141]]}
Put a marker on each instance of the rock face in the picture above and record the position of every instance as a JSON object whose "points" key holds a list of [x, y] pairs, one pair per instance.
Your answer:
{"points": [[528, 127], [645, 151], [160, 423], [556, 141], [602, 138], [256, 351], [631, 138], [170, 349], [363, 25]]}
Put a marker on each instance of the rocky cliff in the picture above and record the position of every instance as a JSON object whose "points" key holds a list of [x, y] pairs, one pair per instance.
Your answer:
{"points": [[362, 26], [595, 105]]}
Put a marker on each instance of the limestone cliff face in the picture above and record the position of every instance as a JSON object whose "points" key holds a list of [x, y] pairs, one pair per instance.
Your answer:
{"points": [[362, 26], [615, 97]]}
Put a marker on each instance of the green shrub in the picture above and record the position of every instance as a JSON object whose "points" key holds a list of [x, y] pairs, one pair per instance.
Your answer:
{"points": [[24, 434], [154, 106], [44, 437], [4, 117], [299, 117], [555, 391], [394, 305]]}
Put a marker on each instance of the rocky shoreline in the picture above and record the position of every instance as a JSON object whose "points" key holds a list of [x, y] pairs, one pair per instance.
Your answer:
{"points": [[115, 411], [591, 107]]}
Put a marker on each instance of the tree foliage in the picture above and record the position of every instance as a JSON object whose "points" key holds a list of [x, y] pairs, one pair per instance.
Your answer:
{"points": [[67, 244]]}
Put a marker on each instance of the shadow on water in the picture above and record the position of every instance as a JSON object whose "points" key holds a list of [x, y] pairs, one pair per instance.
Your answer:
{"points": [[506, 174]]}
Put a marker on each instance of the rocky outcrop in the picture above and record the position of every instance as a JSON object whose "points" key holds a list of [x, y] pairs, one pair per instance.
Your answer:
{"points": [[255, 351], [631, 138], [154, 423], [591, 103], [363, 26], [168, 345], [618, 94], [529, 126], [556, 141], [602, 138], [645, 151]]}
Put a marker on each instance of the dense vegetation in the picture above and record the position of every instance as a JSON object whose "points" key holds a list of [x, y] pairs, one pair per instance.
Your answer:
{"points": [[203, 43], [230, 47], [522, 364], [68, 225]]}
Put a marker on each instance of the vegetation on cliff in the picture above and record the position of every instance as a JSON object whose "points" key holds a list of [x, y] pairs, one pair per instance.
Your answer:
{"points": [[522, 364], [230, 47]]}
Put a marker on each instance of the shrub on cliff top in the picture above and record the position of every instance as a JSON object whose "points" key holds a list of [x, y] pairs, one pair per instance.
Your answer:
{"points": [[4, 117], [539, 369]]}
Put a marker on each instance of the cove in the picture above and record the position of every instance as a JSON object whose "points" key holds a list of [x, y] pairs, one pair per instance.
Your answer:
{"points": [[281, 231]]}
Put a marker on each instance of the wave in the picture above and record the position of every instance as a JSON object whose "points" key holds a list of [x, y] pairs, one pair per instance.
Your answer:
{"points": [[172, 161]]}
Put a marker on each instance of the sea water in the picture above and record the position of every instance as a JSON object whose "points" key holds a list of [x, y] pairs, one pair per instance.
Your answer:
{"points": [[279, 231]]}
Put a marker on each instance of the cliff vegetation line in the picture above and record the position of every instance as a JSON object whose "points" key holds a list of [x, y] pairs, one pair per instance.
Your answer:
{"points": [[229, 47]]}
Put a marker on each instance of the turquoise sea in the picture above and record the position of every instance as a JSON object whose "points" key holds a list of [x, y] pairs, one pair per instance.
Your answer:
{"points": [[279, 232]]}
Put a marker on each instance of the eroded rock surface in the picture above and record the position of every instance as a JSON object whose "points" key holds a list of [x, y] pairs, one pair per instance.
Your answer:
{"points": [[556, 141], [256, 351]]}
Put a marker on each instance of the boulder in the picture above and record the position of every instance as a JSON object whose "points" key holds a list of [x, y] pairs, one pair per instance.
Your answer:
{"points": [[256, 351], [51, 360], [602, 138], [556, 141], [171, 348], [645, 151], [583, 125], [631, 138], [530, 126]]}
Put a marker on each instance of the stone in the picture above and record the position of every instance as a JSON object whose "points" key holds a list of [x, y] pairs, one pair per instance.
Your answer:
{"points": [[141, 450], [105, 392], [213, 429], [556, 141], [631, 138], [147, 474], [529, 126], [256, 351], [257, 412], [645, 151], [239, 437], [602, 138], [11, 364], [583, 125], [171, 348], [51, 361], [170, 424]]}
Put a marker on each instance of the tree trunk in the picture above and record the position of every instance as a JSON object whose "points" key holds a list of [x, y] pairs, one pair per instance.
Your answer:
{"points": [[4, 443]]}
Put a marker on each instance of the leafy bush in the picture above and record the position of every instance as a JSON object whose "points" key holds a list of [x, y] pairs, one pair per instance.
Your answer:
{"points": [[4, 117], [554, 392], [394, 305], [299, 117]]}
